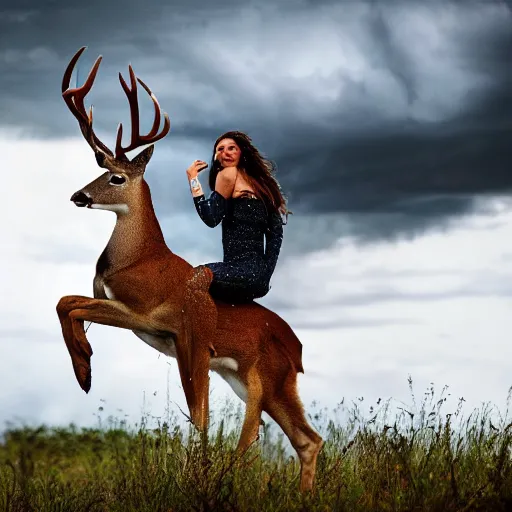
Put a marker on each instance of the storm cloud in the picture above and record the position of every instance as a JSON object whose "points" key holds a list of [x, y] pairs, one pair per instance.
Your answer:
{"points": [[384, 119]]}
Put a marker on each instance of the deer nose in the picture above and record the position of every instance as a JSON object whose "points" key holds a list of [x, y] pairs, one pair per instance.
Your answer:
{"points": [[81, 198]]}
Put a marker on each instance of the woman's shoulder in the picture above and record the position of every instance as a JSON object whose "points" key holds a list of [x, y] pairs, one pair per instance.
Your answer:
{"points": [[227, 174], [225, 181]]}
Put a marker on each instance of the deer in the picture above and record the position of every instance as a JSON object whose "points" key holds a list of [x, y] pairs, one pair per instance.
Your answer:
{"points": [[142, 286]]}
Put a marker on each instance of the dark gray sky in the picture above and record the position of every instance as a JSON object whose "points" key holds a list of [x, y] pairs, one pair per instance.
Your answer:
{"points": [[384, 118]]}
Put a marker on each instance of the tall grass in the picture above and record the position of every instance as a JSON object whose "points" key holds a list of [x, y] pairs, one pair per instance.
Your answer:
{"points": [[394, 458]]}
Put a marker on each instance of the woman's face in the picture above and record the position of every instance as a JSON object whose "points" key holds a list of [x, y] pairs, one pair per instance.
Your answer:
{"points": [[228, 153]]}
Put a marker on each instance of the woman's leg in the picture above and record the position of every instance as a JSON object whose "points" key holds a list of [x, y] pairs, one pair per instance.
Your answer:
{"points": [[237, 283]]}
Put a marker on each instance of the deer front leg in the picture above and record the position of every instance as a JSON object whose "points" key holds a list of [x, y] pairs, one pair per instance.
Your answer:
{"points": [[195, 379], [78, 347], [74, 309], [200, 317]]}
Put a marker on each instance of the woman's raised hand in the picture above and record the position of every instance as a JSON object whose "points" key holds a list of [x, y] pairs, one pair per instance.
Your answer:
{"points": [[196, 167]]}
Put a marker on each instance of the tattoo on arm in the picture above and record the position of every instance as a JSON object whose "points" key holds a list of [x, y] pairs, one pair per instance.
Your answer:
{"points": [[195, 187]]}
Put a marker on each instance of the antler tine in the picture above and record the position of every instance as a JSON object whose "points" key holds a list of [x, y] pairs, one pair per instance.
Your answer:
{"points": [[156, 124], [74, 99], [138, 140], [131, 94]]}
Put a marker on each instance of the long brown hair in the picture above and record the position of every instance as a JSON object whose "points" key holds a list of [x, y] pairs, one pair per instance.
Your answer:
{"points": [[257, 170]]}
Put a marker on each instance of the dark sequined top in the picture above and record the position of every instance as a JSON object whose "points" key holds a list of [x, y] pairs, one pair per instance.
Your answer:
{"points": [[248, 262]]}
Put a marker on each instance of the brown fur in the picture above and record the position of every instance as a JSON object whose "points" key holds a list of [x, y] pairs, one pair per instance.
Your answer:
{"points": [[161, 297]]}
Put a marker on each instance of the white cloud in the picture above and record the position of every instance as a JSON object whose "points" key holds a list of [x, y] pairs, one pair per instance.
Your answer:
{"points": [[37, 381], [436, 307], [445, 262], [387, 299]]}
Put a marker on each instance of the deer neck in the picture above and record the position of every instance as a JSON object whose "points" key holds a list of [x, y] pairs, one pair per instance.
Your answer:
{"points": [[137, 234]]}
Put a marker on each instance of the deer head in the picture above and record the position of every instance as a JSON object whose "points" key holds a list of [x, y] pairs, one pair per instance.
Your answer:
{"points": [[120, 187]]}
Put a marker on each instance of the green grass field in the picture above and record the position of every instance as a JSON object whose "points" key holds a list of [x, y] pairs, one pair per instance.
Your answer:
{"points": [[421, 459]]}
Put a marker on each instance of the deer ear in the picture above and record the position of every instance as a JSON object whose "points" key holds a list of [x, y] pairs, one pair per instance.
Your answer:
{"points": [[105, 160], [142, 159]]}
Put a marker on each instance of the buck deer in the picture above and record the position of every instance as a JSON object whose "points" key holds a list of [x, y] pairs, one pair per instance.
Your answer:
{"points": [[141, 285]]}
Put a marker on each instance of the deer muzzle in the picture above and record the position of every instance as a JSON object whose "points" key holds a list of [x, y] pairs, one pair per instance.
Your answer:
{"points": [[81, 199]]}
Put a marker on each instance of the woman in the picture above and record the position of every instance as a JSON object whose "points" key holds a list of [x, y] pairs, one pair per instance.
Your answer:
{"points": [[248, 200]]}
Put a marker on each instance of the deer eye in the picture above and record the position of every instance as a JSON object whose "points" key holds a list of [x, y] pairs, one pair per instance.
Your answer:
{"points": [[117, 179]]}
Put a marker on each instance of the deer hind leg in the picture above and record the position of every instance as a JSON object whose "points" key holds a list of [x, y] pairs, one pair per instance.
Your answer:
{"points": [[252, 411], [287, 410]]}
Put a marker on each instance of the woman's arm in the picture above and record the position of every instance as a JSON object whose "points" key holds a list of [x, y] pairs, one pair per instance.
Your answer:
{"points": [[213, 209], [274, 239]]}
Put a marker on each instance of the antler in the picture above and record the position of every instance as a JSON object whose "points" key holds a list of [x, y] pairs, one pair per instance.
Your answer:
{"points": [[74, 99], [137, 139]]}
